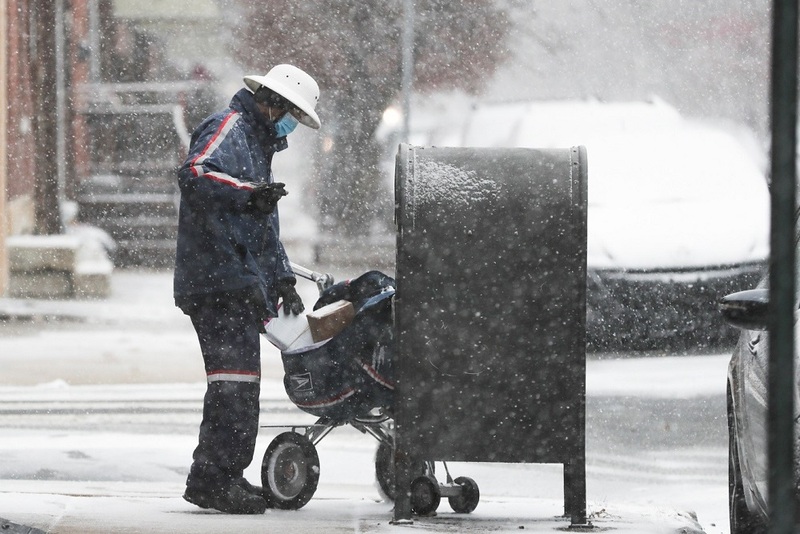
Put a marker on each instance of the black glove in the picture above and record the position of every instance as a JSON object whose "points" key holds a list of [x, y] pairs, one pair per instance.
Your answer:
{"points": [[265, 197], [292, 303]]}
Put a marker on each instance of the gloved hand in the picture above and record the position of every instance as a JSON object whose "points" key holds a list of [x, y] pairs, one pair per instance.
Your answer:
{"points": [[292, 303], [265, 197]]}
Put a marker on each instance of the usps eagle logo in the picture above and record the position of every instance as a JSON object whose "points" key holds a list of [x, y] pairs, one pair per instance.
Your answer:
{"points": [[301, 382]]}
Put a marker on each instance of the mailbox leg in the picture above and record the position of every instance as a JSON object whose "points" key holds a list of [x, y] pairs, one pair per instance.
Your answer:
{"points": [[575, 492], [402, 503]]}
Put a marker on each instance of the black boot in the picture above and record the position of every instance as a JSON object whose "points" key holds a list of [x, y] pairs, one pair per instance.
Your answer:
{"points": [[249, 488], [233, 500]]}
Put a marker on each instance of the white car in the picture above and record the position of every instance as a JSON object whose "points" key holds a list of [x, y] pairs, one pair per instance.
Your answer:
{"points": [[678, 213]]}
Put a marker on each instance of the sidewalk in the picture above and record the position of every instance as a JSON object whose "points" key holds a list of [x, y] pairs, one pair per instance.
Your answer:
{"points": [[127, 477], [154, 509]]}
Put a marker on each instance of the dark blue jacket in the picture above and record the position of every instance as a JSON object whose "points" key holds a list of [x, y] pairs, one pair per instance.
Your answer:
{"points": [[225, 246]]}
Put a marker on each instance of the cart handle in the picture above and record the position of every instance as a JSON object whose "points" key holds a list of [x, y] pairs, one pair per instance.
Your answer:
{"points": [[323, 281]]}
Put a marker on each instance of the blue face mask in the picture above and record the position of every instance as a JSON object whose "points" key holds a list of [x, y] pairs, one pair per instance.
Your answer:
{"points": [[285, 125]]}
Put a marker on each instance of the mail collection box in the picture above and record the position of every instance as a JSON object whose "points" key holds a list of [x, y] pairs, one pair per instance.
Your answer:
{"points": [[491, 308]]}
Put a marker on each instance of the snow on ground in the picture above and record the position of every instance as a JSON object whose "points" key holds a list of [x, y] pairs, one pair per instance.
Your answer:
{"points": [[661, 377], [112, 461], [127, 476]]}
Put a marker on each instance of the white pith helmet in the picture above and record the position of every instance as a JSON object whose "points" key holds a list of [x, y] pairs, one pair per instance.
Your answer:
{"points": [[294, 85]]}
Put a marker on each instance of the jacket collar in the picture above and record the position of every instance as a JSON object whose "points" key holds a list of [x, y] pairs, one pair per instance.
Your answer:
{"points": [[264, 128]]}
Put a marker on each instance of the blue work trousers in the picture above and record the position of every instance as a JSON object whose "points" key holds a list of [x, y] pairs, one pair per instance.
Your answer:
{"points": [[227, 326]]}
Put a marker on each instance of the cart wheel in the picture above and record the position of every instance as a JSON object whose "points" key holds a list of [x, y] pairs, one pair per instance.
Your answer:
{"points": [[425, 495], [385, 471], [467, 500], [290, 471]]}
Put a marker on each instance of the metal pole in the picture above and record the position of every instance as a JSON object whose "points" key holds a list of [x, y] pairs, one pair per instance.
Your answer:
{"points": [[783, 111], [94, 41], [47, 217], [61, 107], [3, 154], [408, 65]]}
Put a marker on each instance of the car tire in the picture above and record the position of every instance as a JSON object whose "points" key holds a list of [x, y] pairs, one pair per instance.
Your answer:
{"points": [[742, 520]]}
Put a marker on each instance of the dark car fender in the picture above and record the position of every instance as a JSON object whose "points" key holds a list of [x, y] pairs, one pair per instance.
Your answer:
{"points": [[756, 501]]}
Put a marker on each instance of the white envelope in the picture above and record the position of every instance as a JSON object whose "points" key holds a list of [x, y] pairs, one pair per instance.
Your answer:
{"points": [[288, 332]]}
